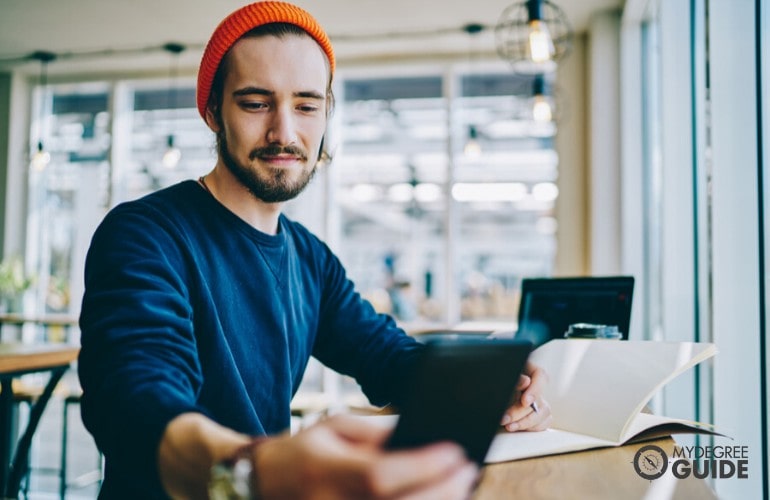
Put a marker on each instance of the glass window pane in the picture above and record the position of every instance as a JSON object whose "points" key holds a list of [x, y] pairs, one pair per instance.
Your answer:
{"points": [[69, 195], [392, 173], [168, 142], [505, 191]]}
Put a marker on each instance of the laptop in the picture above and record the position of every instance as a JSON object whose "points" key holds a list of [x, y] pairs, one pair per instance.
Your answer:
{"points": [[549, 305]]}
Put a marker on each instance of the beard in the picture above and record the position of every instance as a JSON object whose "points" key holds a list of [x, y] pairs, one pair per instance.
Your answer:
{"points": [[273, 185]]}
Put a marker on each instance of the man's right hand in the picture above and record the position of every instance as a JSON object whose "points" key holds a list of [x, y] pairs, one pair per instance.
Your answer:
{"points": [[343, 457]]}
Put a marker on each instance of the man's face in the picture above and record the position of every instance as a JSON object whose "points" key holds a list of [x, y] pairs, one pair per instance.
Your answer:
{"points": [[273, 114]]}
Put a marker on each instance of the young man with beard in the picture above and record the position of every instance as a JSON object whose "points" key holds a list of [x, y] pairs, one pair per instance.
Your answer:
{"points": [[203, 304]]}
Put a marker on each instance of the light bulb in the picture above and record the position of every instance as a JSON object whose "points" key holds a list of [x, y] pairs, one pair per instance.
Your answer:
{"points": [[41, 158], [472, 146], [541, 109], [541, 49], [172, 155]]}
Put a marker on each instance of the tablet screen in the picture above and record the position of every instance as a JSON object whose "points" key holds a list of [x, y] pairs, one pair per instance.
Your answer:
{"points": [[460, 391]]}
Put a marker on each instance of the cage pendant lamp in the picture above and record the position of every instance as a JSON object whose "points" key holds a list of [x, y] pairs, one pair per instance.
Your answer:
{"points": [[41, 157], [533, 36]]}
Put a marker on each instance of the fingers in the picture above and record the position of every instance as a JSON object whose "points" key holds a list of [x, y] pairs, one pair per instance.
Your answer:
{"points": [[523, 383], [337, 458], [458, 486], [529, 411], [534, 420], [538, 381], [358, 430], [416, 470], [521, 418]]}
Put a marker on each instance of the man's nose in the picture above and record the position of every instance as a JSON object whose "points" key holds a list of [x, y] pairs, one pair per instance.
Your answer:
{"points": [[281, 129]]}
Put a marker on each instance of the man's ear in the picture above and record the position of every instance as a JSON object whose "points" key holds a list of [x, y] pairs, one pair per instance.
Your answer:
{"points": [[211, 120], [324, 158]]}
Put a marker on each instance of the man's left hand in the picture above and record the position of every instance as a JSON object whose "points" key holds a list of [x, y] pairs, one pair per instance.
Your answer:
{"points": [[530, 412]]}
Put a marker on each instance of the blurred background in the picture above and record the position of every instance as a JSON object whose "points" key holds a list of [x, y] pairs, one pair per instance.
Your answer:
{"points": [[475, 144]]}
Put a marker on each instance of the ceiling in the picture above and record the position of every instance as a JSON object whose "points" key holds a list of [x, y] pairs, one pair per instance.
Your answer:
{"points": [[361, 30]]}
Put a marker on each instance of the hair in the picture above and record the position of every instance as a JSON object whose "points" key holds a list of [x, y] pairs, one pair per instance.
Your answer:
{"points": [[278, 30]]}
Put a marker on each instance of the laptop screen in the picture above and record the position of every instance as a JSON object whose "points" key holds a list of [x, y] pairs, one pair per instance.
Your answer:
{"points": [[549, 305]]}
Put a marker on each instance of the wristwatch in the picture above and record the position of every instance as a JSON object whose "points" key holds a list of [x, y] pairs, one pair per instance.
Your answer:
{"points": [[233, 479]]}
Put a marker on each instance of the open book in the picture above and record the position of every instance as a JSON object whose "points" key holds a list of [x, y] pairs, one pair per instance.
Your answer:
{"points": [[597, 391]]}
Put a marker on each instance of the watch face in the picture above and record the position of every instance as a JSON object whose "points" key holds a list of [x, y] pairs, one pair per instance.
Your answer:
{"points": [[650, 462], [231, 481]]}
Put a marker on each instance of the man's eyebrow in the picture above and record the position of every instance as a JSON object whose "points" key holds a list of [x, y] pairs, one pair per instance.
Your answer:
{"points": [[252, 91], [310, 94], [306, 94]]}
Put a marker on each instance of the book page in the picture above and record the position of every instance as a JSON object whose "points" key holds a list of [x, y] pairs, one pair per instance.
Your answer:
{"points": [[597, 387], [646, 426], [517, 445]]}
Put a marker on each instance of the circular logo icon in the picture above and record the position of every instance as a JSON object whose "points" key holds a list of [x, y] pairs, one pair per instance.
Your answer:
{"points": [[650, 462]]}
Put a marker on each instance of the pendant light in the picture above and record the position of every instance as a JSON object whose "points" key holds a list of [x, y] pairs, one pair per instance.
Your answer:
{"points": [[540, 47], [533, 36], [544, 107], [41, 157], [542, 104], [472, 147], [173, 154]]}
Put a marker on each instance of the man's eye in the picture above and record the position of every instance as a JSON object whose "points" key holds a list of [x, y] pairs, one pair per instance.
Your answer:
{"points": [[253, 105], [308, 109]]}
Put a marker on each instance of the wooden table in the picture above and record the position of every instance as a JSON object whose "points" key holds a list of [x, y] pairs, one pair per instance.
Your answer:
{"points": [[606, 473], [46, 321], [16, 360], [63, 320]]}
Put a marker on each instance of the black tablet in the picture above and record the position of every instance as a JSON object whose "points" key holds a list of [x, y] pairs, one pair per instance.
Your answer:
{"points": [[460, 392]]}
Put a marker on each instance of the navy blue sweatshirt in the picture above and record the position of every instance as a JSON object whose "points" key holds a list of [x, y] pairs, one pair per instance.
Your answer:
{"points": [[189, 308]]}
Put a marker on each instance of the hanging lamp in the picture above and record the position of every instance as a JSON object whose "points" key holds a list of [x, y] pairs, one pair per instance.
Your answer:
{"points": [[173, 154], [41, 157], [472, 146], [533, 36], [543, 105]]}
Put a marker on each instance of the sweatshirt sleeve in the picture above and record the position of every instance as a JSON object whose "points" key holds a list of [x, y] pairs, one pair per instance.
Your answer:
{"points": [[138, 364], [356, 340]]}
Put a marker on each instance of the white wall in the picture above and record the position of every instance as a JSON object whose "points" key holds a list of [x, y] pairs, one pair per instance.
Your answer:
{"points": [[571, 145], [604, 143], [16, 181]]}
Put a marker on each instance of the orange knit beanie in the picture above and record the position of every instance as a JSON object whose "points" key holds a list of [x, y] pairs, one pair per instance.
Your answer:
{"points": [[239, 23]]}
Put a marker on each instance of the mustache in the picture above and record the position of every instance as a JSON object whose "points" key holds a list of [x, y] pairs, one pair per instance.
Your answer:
{"points": [[275, 150]]}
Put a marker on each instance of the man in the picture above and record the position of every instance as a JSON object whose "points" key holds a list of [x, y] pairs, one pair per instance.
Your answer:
{"points": [[203, 304]]}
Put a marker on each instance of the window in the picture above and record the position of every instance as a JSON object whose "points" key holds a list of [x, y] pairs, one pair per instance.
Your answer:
{"points": [[68, 196], [446, 189], [704, 110], [392, 174], [107, 144], [429, 228], [161, 118]]}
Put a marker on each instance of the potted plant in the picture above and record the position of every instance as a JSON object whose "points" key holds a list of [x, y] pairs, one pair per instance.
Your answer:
{"points": [[13, 283]]}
